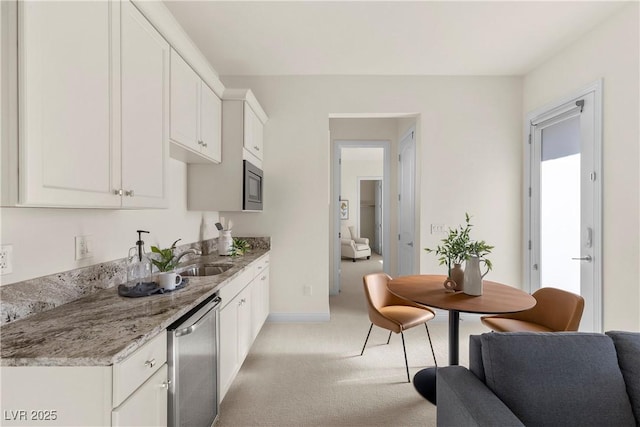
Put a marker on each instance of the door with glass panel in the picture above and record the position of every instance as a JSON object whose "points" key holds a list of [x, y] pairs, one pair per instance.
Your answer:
{"points": [[564, 219]]}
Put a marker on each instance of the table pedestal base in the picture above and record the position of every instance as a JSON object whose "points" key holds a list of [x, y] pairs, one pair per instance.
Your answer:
{"points": [[425, 383]]}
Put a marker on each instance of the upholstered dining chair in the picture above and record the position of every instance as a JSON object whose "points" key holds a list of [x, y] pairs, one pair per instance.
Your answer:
{"points": [[393, 313], [555, 311]]}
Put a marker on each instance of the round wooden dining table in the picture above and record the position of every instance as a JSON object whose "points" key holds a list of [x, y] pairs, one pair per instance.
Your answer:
{"points": [[428, 290]]}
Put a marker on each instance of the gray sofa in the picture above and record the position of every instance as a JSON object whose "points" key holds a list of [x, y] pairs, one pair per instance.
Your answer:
{"points": [[544, 379]]}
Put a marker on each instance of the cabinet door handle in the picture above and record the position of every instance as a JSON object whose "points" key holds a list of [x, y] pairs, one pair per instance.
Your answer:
{"points": [[129, 193], [255, 147], [166, 384], [205, 145], [150, 363], [264, 278], [118, 192]]}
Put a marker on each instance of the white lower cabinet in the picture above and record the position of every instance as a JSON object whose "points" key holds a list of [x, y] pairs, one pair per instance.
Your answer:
{"points": [[259, 294], [241, 319], [132, 392], [228, 352], [147, 406], [55, 395]]}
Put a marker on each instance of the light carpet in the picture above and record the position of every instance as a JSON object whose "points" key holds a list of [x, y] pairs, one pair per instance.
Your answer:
{"points": [[312, 374]]}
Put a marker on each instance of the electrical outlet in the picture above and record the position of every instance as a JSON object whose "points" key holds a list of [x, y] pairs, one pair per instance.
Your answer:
{"points": [[84, 247], [6, 259], [437, 228], [307, 290]]}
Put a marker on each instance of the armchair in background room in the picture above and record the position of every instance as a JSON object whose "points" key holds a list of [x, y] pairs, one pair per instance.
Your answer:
{"points": [[351, 246]]}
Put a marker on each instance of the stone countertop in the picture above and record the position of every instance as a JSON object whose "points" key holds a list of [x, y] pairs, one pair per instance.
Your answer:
{"points": [[104, 328]]}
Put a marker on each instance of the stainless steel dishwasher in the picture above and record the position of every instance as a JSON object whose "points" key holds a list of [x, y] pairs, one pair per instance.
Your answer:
{"points": [[193, 361]]}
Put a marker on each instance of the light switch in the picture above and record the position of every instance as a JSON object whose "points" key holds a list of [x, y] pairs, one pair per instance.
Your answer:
{"points": [[437, 228], [6, 259], [83, 247]]}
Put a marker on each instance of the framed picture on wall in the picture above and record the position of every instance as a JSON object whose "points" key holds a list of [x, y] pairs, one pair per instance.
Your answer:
{"points": [[344, 209]]}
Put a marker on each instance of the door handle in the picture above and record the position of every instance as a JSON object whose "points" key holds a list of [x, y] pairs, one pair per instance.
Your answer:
{"points": [[410, 244], [584, 258]]}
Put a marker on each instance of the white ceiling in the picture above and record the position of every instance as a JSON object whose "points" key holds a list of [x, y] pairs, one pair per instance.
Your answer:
{"points": [[384, 37]]}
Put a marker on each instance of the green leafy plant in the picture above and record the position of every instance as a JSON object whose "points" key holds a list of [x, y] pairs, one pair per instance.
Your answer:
{"points": [[481, 249], [458, 246], [239, 247], [166, 260]]}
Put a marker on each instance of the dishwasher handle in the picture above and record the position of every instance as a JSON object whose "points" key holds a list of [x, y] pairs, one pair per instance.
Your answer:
{"points": [[190, 329]]}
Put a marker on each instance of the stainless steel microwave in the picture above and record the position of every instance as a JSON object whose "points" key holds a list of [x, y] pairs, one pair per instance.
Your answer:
{"points": [[253, 188]]}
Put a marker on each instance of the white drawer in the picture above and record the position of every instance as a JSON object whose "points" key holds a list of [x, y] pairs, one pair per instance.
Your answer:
{"points": [[233, 288], [129, 374], [260, 265]]}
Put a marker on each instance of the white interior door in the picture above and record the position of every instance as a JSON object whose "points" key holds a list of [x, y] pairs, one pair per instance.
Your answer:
{"points": [[565, 204], [406, 205], [378, 217]]}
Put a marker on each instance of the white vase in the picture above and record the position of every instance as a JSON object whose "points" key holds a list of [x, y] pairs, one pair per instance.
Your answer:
{"points": [[473, 276], [225, 243]]}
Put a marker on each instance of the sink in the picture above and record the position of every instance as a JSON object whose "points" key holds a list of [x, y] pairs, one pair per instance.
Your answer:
{"points": [[204, 269]]}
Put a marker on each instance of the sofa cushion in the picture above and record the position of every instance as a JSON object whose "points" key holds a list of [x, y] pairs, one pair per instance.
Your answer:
{"points": [[559, 379], [628, 349], [475, 357]]}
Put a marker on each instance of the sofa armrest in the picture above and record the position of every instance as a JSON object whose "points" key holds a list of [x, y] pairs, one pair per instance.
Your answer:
{"points": [[464, 400], [348, 242], [361, 240]]}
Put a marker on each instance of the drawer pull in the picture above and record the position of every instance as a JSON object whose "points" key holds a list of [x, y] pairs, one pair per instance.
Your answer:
{"points": [[264, 278], [166, 384], [150, 363]]}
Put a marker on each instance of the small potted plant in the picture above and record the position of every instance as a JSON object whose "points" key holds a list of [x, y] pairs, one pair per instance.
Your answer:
{"points": [[165, 260], [239, 247], [456, 248]]}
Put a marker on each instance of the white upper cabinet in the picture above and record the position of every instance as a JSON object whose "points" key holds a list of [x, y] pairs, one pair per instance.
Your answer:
{"points": [[243, 121], [185, 86], [253, 129], [145, 108], [93, 103], [210, 123], [68, 149], [196, 116]]}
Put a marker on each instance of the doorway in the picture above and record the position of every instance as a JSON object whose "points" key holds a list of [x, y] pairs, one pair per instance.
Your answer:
{"points": [[354, 161], [565, 200]]}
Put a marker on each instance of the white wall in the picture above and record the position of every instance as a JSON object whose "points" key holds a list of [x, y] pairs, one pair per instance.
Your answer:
{"points": [[470, 149], [610, 52], [43, 239]]}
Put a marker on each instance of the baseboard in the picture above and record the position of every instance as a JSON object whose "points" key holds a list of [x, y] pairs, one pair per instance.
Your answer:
{"points": [[298, 317]]}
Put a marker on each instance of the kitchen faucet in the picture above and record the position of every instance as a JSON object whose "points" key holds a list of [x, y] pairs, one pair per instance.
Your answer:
{"points": [[193, 251]]}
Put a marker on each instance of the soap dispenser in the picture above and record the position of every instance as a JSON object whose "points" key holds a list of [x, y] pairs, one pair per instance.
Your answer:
{"points": [[138, 264]]}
